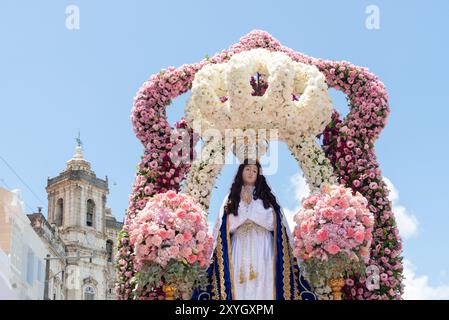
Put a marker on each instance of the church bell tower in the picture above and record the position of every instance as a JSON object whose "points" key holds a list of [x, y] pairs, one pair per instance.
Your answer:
{"points": [[77, 209]]}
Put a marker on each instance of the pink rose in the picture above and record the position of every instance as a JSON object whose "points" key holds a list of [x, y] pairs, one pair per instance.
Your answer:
{"points": [[179, 238], [156, 240], [350, 232], [174, 251], [351, 212], [170, 234], [186, 206], [343, 203], [187, 235], [191, 259], [328, 212], [338, 216], [373, 185], [191, 217], [148, 190], [201, 235], [304, 227], [186, 251], [163, 233], [359, 236], [171, 194], [368, 235], [180, 214], [333, 249], [367, 221], [313, 199], [322, 235]]}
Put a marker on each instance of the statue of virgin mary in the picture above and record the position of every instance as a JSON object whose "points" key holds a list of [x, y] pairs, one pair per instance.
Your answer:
{"points": [[253, 256]]}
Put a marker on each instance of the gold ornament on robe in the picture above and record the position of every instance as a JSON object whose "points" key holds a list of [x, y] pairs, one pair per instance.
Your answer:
{"points": [[252, 273], [247, 197], [242, 275]]}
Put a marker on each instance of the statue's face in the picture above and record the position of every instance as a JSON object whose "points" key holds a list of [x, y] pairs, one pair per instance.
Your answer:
{"points": [[249, 174]]}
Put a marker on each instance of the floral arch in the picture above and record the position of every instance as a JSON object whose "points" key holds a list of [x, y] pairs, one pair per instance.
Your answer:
{"points": [[347, 154]]}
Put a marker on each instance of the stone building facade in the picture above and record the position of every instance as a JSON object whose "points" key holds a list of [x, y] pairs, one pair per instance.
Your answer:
{"points": [[79, 221]]}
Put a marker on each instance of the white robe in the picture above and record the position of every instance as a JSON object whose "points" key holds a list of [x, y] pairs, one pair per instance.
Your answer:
{"points": [[264, 267], [252, 241]]}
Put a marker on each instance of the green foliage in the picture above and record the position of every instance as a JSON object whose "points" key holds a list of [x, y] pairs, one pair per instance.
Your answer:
{"points": [[179, 274], [338, 266]]}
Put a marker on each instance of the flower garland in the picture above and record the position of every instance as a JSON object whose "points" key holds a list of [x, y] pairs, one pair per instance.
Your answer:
{"points": [[204, 171], [348, 143], [316, 167], [354, 160]]}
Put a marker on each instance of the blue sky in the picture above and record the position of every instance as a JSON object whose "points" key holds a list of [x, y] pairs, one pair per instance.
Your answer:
{"points": [[55, 81]]}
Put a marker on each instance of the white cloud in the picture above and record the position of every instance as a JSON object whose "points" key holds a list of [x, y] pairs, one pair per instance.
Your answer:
{"points": [[301, 190], [407, 223], [417, 287]]}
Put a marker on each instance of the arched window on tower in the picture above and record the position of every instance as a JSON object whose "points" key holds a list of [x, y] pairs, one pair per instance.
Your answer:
{"points": [[89, 293], [59, 212], [90, 213], [109, 246]]}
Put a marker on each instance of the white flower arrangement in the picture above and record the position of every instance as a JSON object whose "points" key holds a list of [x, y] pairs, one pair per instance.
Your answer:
{"points": [[296, 121], [275, 109]]}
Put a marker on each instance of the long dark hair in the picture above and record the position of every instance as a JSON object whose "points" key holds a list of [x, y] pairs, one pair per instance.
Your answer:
{"points": [[261, 191]]}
